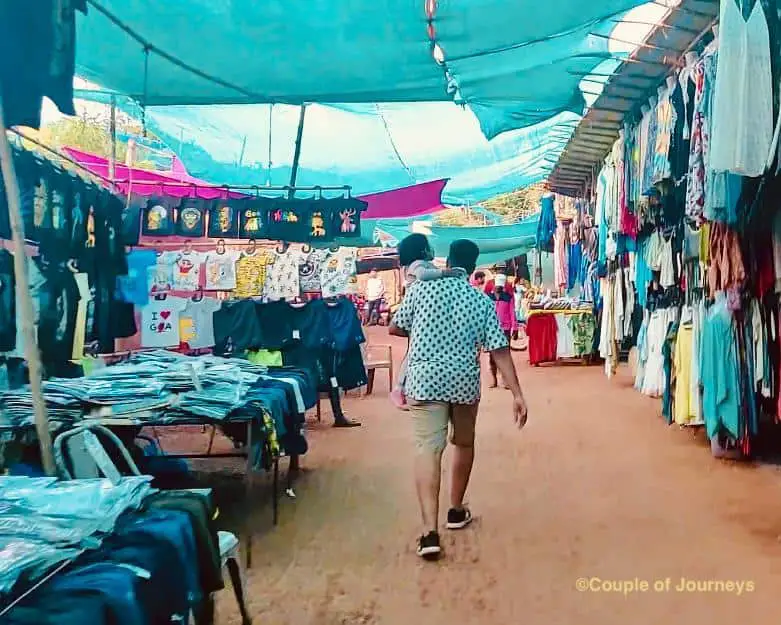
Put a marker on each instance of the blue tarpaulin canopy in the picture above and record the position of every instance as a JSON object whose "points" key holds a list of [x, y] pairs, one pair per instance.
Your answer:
{"points": [[514, 62], [370, 147], [497, 243]]}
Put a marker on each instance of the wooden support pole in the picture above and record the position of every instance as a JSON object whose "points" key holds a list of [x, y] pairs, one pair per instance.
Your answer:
{"points": [[297, 152], [24, 301]]}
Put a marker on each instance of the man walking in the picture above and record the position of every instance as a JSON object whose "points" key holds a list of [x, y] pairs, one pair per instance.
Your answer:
{"points": [[375, 290], [448, 323]]}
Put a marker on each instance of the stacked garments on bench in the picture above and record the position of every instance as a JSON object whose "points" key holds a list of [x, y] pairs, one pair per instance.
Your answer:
{"points": [[112, 553]]}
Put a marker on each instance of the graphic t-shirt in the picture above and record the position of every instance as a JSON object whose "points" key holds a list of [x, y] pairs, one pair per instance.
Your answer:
{"points": [[309, 268], [187, 271], [251, 273], [196, 322], [160, 322], [282, 280], [221, 271], [224, 219], [158, 217], [190, 220], [134, 287], [160, 276], [337, 270]]}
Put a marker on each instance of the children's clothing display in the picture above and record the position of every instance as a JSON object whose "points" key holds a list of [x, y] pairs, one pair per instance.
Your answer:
{"points": [[220, 270], [160, 321], [282, 277]]}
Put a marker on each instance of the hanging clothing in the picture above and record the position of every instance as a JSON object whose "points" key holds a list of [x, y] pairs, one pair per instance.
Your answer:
{"points": [[743, 99], [565, 339], [546, 226], [719, 371], [560, 257], [686, 404], [542, 330]]}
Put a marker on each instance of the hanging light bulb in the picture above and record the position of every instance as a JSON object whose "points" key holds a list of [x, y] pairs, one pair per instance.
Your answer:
{"points": [[439, 54]]}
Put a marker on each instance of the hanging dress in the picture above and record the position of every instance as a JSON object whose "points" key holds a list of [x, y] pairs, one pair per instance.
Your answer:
{"points": [[742, 130]]}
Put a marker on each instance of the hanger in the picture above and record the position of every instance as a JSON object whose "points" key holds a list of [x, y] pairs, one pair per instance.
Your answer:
{"points": [[188, 247], [220, 247], [160, 296], [252, 246], [283, 247], [306, 248], [319, 191], [198, 295], [334, 248]]}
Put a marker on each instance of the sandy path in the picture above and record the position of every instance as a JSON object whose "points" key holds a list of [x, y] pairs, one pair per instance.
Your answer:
{"points": [[595, 487]]}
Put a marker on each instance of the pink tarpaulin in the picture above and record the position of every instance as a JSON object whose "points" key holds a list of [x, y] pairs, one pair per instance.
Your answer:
{"points": [[412, 201]]}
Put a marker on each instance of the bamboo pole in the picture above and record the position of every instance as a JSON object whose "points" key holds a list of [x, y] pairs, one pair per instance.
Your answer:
{"points": [[24, 300]]}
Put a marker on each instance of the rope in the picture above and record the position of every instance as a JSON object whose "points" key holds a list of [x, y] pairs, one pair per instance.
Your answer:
{"points": [[393, 144], [149, 47]]}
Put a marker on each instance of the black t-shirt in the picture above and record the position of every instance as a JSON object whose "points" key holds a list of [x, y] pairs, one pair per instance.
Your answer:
{"points": [[190, 221], [290, 220], [57, 321], [158, 217], [7, 302], [131, 220], [310, 323], [275, 324], [236, 328], [345, 215], [346, 330], [224, 218], [253, 218]]}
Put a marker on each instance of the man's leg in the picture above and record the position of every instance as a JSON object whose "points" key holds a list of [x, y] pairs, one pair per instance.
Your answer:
{"points": [[464, 419], [340, 421], [430, 421]]}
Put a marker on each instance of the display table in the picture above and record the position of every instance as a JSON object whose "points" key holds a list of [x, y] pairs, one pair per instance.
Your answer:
{"points": [[559, 334]]}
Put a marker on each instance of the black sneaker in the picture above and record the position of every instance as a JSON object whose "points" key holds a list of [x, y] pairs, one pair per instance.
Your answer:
{"points": [[458, 519], [428, 546]]}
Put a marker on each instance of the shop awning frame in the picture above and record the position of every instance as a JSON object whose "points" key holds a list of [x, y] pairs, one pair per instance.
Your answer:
{"points": [[627, 89]]}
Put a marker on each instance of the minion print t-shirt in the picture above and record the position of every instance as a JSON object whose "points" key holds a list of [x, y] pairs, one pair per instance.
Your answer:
{"points": [[251, 271]]}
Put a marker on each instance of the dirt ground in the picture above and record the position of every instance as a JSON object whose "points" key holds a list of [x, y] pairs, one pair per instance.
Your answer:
{"points": [[596, 488]]}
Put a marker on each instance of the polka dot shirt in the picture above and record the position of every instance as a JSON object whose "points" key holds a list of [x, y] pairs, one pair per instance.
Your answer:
{"points": [[448, 322]]}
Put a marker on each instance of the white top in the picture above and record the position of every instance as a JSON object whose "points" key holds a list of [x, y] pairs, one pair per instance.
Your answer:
{"points": [[282, 279], [337, 269], [187, 271], [160, 322], [196, 323], [742, 124], [375, 288], [221, 271]]}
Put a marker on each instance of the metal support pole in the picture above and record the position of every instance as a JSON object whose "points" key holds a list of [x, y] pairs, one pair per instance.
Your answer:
{"points": [[113, 132], [297, 153], [24, 300]]}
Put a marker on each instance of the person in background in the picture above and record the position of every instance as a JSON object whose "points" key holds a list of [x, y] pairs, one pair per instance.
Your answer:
{"points": [[448, 323], [416, 259], [375, 290], [478, 280], [504, 302]]}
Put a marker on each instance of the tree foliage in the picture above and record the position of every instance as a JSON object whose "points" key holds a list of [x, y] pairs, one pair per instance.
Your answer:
{"points": [[511, 207]]}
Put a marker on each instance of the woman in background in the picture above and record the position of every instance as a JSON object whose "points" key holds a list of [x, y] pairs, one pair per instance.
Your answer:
{"points": [[504, 301]]}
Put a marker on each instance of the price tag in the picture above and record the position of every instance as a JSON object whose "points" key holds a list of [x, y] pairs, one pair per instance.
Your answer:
{"points": [[296, 335], [334, 383]]}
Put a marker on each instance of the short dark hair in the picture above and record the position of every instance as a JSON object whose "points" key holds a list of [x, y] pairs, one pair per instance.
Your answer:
{"points": [[463, 254], [479, 275], [413, 247]]}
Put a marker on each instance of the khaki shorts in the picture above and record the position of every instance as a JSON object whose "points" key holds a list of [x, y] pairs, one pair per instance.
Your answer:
{"points": [[431, 419]]}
